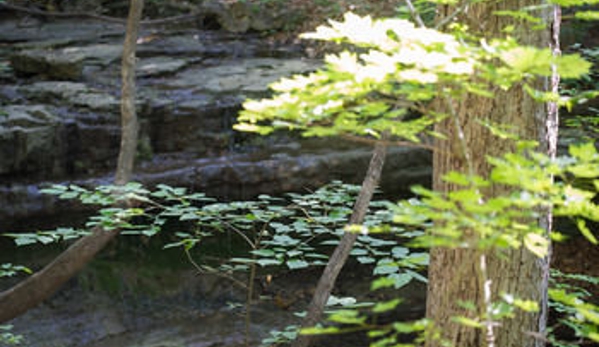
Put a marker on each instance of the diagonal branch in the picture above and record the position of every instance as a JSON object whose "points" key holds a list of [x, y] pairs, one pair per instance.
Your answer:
{"points": [[341, 253], [42, 285]]}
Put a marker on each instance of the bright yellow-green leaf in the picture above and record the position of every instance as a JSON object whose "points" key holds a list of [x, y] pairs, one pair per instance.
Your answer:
{"points": [[527, 305], [457, 178], [386, 306], [319, 330], [537, 244], [583, 151], [247, 127], [571, 3], [529, 60], [469, 322], [586, 15], [520, 15], [557, 236], [572, 66], [585, 231]]}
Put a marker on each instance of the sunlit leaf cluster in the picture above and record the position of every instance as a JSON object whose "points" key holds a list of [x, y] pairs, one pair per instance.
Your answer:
{"points": [[9, 339], [466, 218], [574, 305], [9, 270], [385, 83]]}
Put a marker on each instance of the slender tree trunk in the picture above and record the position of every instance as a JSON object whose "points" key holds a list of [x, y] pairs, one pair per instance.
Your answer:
{"points": [[43, 284], [129, 122], [339, 256], [453, 273]]}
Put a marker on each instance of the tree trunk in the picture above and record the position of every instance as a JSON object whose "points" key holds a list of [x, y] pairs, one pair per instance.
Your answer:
{"points": [[129, 123], [341, 253], [453, 272], [43, 284]]}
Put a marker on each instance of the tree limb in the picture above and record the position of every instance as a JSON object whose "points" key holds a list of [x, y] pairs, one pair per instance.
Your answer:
{"points": [[129, 123], [43, 284], [341, 253]]}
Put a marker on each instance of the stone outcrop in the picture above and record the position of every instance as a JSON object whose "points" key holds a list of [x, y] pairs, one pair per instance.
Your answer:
{"points": [[190, 87], [48, 63], [243, 16], [30, 140]]}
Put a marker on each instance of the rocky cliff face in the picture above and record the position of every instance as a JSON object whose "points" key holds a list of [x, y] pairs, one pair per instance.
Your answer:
{"points": [[59, 119]]}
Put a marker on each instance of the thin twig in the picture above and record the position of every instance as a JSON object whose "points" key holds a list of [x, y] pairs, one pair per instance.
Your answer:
{"points": [[415, 14], [251, 279], [240, 233], [452, 16], [389, 143], [204, 269]]}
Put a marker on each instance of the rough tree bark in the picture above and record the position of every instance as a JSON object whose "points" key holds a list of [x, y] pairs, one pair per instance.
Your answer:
{"points": [[452, 271], [341, 253], [129, 122], [43, 284]]}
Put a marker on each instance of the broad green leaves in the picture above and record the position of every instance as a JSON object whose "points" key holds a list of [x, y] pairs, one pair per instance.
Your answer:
{"points": [[573, 302], [364, 93], [465, 218], [7, 338], [583, 316], [530, 61], [9, 270], [395, 69]]}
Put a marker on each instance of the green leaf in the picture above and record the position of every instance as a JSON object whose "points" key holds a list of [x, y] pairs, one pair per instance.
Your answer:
{"points": [[587, 15], [386, 268], [457, 178], [295, 264], [268, 262], [347, 317], [572, 66], [419, 258], [583, 151], [528, 60], [189, 216], [242, 260], [585, 231], [337, 301], [527, 305], [400, 279], [382, 282], [316, 256], [386, 306], [294, 253], [55, 189], [571, 3], [265, 252], [358, 251], [399, 252], [366, 260], [68, 195], [45, 239], [407, 328], [319, 330], [469, 322]]}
